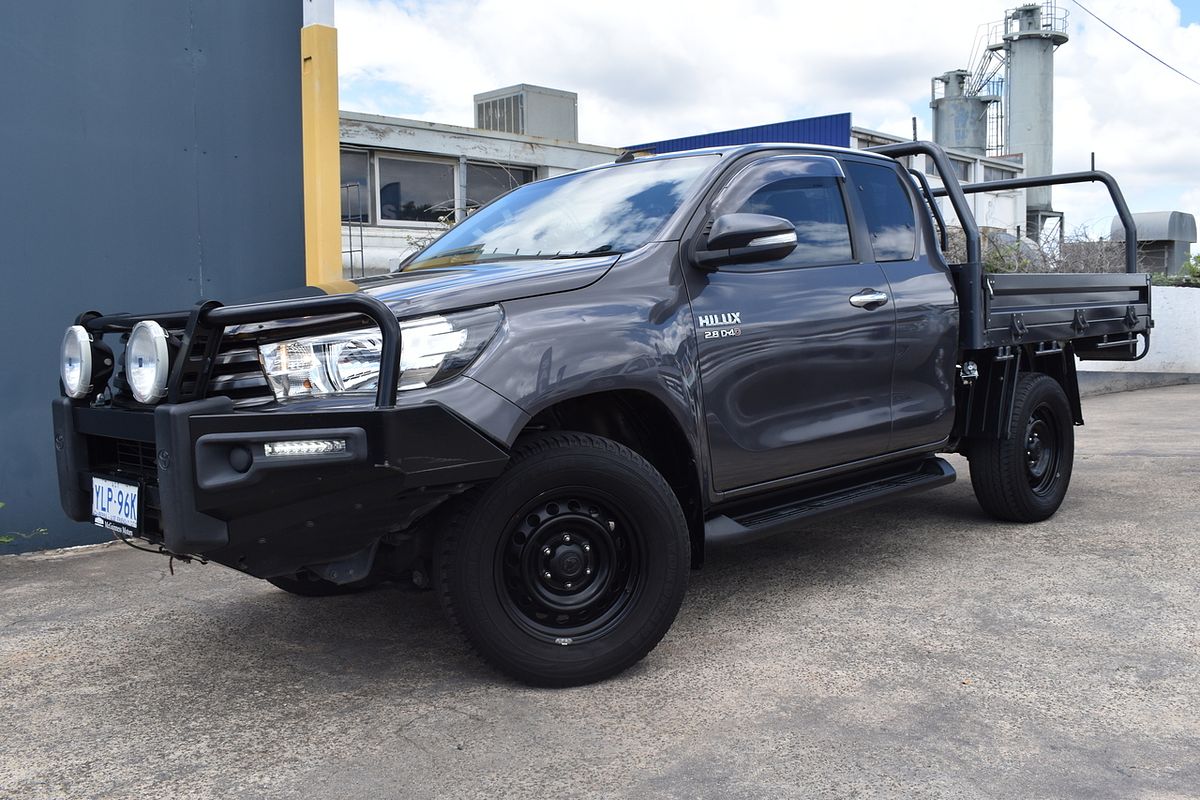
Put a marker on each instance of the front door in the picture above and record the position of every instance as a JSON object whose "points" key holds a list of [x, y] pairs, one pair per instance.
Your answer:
{"points": [[795, 358]]}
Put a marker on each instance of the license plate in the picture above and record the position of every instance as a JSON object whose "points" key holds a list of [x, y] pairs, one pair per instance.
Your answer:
{"points": [[115, 505]]}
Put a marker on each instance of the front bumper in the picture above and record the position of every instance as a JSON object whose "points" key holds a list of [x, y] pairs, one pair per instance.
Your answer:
{"points": [[271, 516]]}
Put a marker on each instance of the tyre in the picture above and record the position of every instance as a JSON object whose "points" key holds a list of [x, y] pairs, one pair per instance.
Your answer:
{"points": [[1025, 478], [306, 584], [570, 567]]}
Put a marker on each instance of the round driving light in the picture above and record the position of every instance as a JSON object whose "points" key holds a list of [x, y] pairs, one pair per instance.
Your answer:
{"points": [[146, 363], [76, 366]]}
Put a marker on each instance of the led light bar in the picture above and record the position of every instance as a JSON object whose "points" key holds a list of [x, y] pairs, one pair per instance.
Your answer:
{"points": [[304, 447]]}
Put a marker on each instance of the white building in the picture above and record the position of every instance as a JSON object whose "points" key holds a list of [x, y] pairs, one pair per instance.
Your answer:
{"points": [[404, 181]]}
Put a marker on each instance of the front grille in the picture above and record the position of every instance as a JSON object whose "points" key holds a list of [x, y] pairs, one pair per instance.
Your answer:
{"points": [[238, 375], [131, 462], [136, 459]]}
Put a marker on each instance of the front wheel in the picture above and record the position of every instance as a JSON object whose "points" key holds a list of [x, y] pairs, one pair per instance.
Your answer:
{"points": [[571, 566], [1024, 478]]}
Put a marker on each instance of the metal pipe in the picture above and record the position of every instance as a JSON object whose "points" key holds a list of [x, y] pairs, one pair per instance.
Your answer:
{"points": [[968, 276], [219, 317], [933, 206], [377, 310], [123, 323], [952, 189], [1091, 176]]}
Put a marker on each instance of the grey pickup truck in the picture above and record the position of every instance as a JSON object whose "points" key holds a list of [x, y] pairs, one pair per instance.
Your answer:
{"points": [[551, 412]]}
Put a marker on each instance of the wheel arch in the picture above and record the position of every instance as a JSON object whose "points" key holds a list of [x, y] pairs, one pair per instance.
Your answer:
{"points": [[984, 406], [646, 425]]}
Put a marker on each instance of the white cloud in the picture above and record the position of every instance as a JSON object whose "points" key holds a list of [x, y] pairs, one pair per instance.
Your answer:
{"points": [[652, 70]]}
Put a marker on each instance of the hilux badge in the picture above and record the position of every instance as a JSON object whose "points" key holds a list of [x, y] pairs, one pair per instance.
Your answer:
{"points": [[720, 326], [713, 320]]}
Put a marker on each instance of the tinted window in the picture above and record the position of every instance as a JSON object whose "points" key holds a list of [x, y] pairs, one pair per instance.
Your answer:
{"points": [[804, 191], [415, 190], [888, 209], [612, 209]]}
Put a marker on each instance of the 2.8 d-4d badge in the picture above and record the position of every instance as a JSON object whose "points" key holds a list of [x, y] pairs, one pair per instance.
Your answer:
{"points": [[720, 325]]}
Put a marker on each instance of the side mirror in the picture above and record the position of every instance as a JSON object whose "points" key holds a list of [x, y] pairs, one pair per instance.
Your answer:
{"points": [[746, 238]]}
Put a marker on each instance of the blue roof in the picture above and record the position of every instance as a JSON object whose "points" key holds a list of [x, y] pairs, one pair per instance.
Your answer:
{"points": [[833, 130]]}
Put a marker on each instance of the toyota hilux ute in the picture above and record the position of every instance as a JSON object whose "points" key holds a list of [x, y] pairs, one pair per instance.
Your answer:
{"points": [[549, 413]]}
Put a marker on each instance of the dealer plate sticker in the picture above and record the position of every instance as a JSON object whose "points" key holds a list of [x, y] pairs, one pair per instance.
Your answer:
{"points": [[115, 505]]}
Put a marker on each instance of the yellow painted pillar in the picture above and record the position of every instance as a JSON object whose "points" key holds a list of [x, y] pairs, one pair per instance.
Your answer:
{"points": [[322, 162]]}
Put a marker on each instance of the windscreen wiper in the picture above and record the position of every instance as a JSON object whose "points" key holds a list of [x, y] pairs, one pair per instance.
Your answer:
{"points": [[602, 250]]}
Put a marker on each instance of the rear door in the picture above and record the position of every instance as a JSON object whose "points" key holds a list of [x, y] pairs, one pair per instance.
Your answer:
{"points": [[795, 369], [922, 297]]}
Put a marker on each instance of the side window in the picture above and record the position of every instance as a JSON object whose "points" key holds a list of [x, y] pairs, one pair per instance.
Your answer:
{"points": [[804, 191], [888, 209]]}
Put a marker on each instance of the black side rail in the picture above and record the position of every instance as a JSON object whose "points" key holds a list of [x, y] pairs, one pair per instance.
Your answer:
{"points": [[934, 208], [1091, 176], [214, 318]]}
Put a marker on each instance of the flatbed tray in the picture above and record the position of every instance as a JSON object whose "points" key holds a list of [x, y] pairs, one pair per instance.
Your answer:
{"points": [[1104, 314]]}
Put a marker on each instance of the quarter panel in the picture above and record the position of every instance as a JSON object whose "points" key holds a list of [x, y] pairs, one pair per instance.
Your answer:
{"points": [[631, 330]]}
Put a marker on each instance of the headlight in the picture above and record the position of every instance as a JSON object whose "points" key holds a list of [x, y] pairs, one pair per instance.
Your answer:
{"points": [[76, 366], [146, 362], [432, 349]]}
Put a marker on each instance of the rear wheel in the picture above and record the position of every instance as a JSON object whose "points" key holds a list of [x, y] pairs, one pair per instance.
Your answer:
{"points": [[571, 566], [1025, 478]]}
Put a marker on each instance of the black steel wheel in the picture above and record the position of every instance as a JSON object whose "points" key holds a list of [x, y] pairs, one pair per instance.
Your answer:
{"points": [[1025, 478], [571, 566]]}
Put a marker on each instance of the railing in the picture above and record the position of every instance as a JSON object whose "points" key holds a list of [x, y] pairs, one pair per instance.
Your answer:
{"points": [[1092, 176], [969, 275]]}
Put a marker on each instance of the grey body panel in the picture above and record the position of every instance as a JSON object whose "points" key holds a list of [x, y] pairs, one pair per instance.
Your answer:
{"points": [[807, 382], [923, 377], [631, 331], [447, 288], [488, 412]]}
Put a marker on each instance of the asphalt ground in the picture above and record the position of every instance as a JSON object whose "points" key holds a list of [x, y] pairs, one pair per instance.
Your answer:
{"points": [[917, 650]]}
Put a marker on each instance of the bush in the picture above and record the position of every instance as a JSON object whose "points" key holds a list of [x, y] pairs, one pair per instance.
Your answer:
{"points": [[1189, 275]]}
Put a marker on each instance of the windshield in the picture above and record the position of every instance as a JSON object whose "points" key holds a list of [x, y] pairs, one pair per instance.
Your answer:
{"points": [[603, 211]]}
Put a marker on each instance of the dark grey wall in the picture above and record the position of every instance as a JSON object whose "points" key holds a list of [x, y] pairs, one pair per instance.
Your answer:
{"points": [[149, 154]]}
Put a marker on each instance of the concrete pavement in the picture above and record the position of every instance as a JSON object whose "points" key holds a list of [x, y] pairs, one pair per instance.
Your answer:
{"points": [[919, 650]]}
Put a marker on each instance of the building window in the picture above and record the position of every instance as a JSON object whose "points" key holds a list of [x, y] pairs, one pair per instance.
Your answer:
{"points": [[996, 173], [418, 191], [356, 194], [487, 182], [962, 169]]}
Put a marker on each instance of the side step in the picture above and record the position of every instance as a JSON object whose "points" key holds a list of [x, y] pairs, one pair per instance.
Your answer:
{"points": [[761, 522]]}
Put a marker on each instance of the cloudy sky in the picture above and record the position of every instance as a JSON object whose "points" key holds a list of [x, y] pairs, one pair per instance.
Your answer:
{"points": [[659, 68]]}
